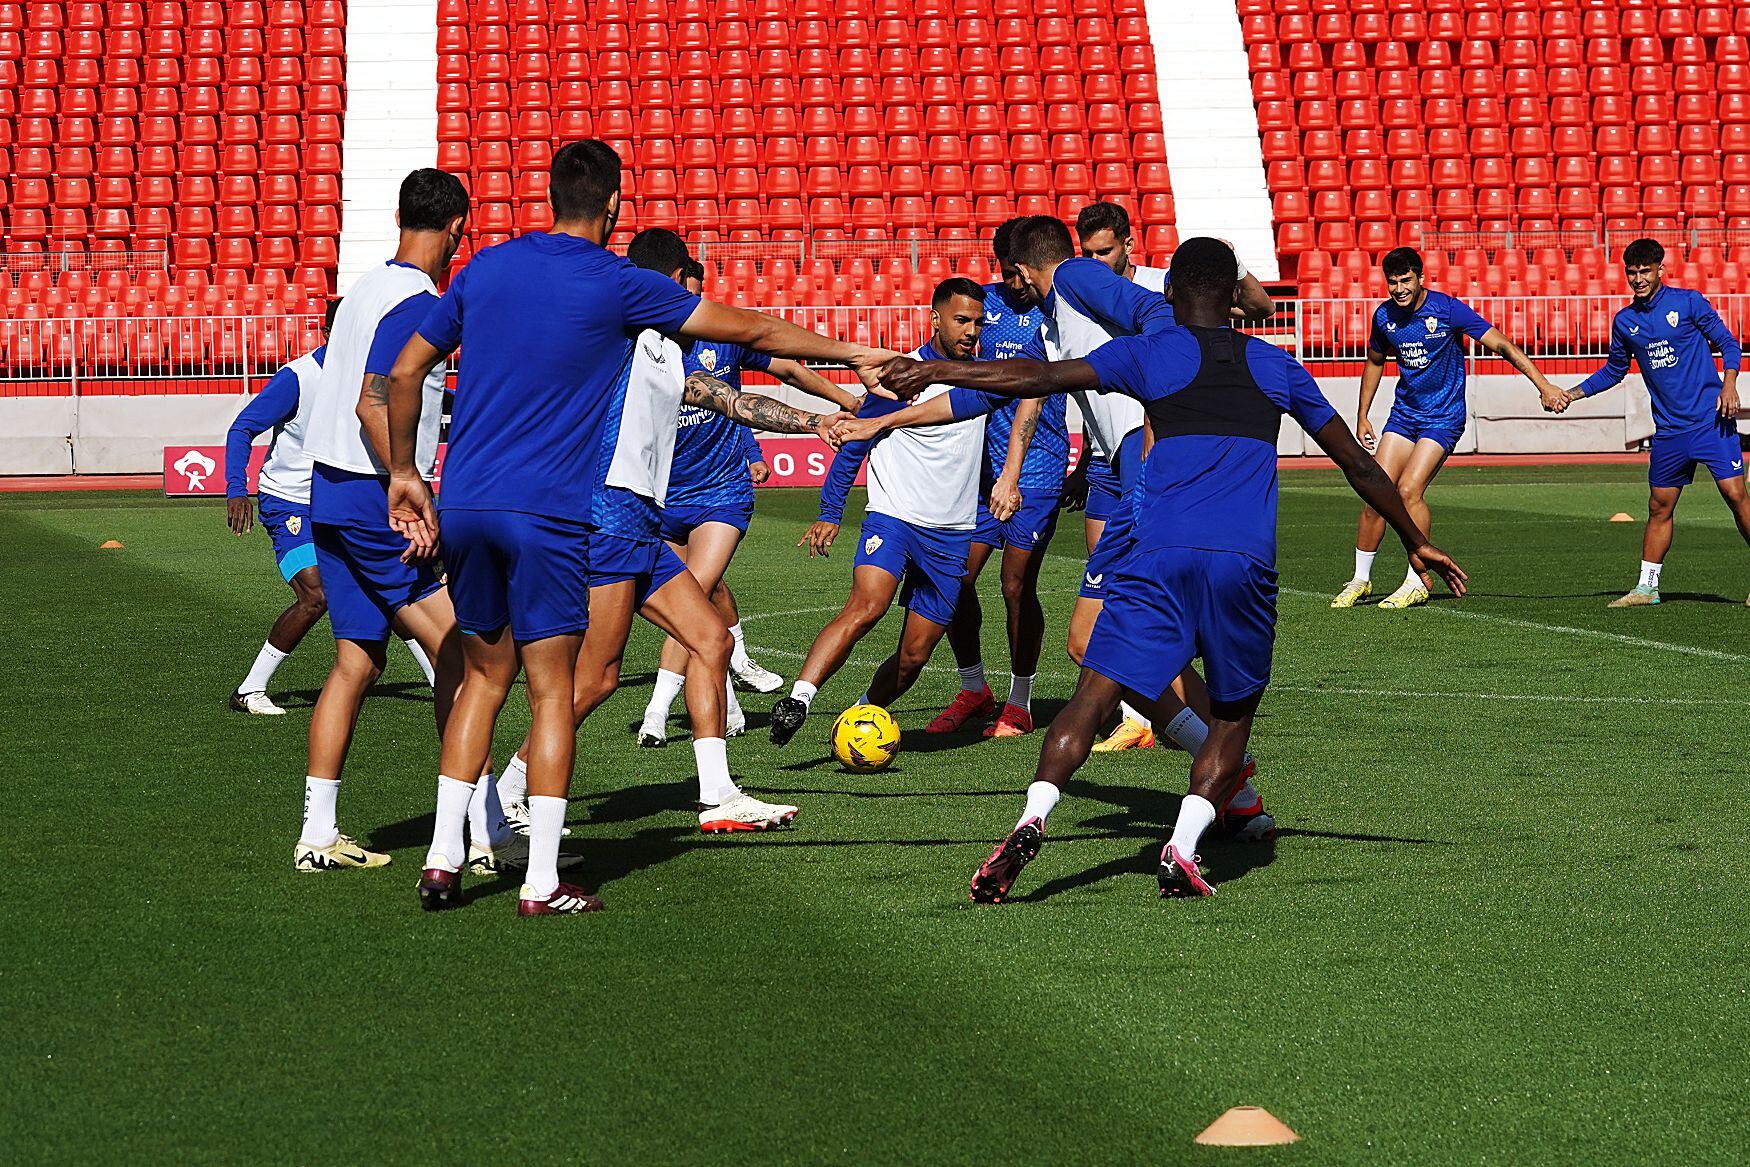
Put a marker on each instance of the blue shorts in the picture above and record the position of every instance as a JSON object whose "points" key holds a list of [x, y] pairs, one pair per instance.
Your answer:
{"points": [[288, 525], [649, 563], [1109, 553], [1170, 605], [1446, 431], [508, 567], [930, 562], [678, 523], [1030, 527], [365, 580], [1674, 457], [1103, 491]]}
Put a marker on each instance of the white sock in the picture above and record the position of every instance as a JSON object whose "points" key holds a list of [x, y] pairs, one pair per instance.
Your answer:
{"points": [[862, 698], [320, 795], [731, 703], [1130, 714], [447, 850], [1188, 731], [261, 672], [1041, 799], [1021, 693], [423, 661], [711, 756], [1195, 815], [738, 658], [1649, 575], [1412, 580], [486, 825], [972, 679], [1364, 564], [546, 824], [668, 687], [513, 785], [804, 692]]}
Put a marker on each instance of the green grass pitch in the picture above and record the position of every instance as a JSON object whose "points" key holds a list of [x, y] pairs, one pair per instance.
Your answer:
{"points": [[1505, 922]]}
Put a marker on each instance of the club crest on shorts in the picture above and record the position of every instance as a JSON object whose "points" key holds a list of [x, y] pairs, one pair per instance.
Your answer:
{"points": [[295, 524], [1671, 318], [871, 545]]}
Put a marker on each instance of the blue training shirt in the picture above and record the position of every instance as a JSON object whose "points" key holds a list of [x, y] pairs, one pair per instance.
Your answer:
{"points": [[1215, 399], [1671, 337], [547, 323], [1009, 327], [711, 452], [1429, 355]]}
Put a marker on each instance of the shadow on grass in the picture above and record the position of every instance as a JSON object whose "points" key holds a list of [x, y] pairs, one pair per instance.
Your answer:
{"points": [[394, 691]]}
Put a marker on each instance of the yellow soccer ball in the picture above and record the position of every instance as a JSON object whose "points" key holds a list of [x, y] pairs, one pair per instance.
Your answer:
{"points": [[865, 738]]}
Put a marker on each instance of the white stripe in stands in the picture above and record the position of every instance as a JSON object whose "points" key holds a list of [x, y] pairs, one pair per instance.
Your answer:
{"points": [[1213, 149], [391, 121]]}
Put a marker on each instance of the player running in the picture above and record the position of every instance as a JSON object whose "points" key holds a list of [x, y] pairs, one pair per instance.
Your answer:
{"points": [[1026, 446], [1104, 230], [1421, 328], [709, 505], [282, 407], [1672, 333], [923, 505], [1200, 577], [370, 583]]}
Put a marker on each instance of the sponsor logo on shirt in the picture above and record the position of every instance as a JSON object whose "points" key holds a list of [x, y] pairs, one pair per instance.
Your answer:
{"points": [[1095, 581], [1671, 318], [656, 354], [1660, 355], [991, 318], [1391, 326], [294, 524], [1634, 330], [871, 545]]}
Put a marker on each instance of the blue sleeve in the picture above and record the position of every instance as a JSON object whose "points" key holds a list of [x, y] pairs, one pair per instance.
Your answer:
{"points": [[442, 326], [750, 446], [758, 362], [276, 404], [1615, 368], [843, 473], [968, 403], [1377, 339], [1718, 335], [648, 300], [1468, 320], [395, 329], [1121, 365], [1306, 403], [1034, 349], [1118, 303]]}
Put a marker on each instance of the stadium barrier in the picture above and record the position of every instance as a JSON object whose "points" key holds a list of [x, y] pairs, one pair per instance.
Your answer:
{"points": [[105, 394]]}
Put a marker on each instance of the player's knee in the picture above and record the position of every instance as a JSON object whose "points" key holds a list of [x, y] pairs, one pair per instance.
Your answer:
{"points": [[1411, 493], [1014, 589], [713, 647], [312, 603], [862, 615]]}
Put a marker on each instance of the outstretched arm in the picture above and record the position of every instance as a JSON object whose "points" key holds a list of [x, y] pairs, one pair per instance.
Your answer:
{"points": [[276, 404], [1555, 400], [780, 338], [752, 409], [1019, 377], [799, 376], [1379, 492], [1616, 367]]}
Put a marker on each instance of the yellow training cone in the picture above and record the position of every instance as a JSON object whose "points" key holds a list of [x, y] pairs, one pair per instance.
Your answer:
{"points": [[110, 545], [1622, 517], [1247, 1126]]}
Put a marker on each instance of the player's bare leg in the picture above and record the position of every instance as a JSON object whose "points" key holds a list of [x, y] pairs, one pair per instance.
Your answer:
{"points": [[896, 675], [1026, 628], [321, 846], [1216, 774], [1091, 530], [964, 637], [872, 592], [706, 553], [1392, 454], [431, 623], [1425, 461], [289, 629], [1738, 501], [1656, 542]]}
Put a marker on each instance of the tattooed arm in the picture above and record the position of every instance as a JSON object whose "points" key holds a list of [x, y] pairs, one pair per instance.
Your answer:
{"points": [[373, 415], [395, 401], [751, 409], [1005, 493]]}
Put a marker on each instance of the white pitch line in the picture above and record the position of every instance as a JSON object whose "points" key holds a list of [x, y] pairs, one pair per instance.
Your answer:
{"points": [[1462, 696], [1589, 633]]}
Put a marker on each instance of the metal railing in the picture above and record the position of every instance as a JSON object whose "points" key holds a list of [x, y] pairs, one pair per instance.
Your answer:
{"points": [[221, 354], [58, 262]]}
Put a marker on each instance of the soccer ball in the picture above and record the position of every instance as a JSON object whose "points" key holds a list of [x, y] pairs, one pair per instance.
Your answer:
{"points": [[865, 738]]}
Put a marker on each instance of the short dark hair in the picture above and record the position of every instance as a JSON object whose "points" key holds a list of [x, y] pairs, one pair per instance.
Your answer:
{"points": [[329, 313], [1001, 242], [957, 286], [1400, 261], [1097, 217], [659, 250], [1203, 266], [1041, 240], [693, 270], [1643, 253], [429, 199], [583, 176]]}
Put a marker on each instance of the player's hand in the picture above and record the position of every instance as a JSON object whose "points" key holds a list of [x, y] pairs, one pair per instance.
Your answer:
{"points": [[856, 429], [1729, 402], [829, 426], [819, 538], [904, 378], [413, 516], [1555, 399], [1429, 558], [1075, 490], [240, 514], [1005, 499], [1364, 432], [759, 472], [868, 363]]}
